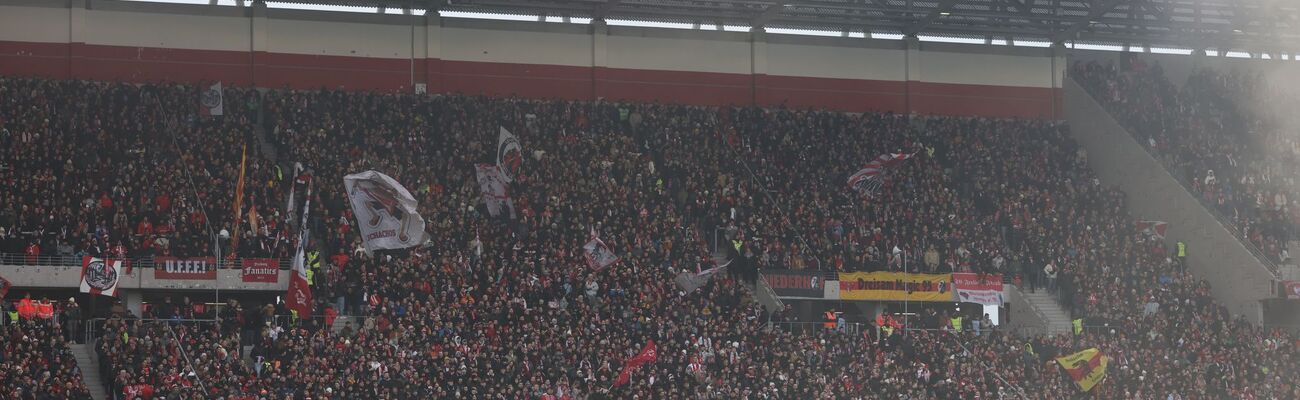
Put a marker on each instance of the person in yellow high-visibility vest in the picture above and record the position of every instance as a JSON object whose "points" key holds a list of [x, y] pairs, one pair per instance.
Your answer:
{"points": [[311, 275], [313, 259], [956, 323], [1078, 326], [1181, 254]]}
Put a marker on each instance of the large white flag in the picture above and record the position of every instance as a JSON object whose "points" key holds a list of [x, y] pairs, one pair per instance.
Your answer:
{"points": [[509, 158], [385, 211], [100, 276], [496, 192], [212, 101]]}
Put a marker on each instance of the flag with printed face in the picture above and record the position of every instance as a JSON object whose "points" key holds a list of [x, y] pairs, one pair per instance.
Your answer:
{"points": [[598, 255], [386, 212], [212, 101], [1086, 368], [100, 276], [495, 189]]}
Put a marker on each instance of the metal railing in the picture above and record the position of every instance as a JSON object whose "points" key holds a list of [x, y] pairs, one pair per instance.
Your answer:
{"points": [[801, 328], [133, 262]]}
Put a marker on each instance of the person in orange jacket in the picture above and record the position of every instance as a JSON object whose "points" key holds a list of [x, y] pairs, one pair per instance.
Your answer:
{"points": [[25, 307]]}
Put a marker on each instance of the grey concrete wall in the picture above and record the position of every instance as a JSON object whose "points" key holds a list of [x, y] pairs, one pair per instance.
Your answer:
{"points": [[49, 276], [1239, 279], [1025, 319]]}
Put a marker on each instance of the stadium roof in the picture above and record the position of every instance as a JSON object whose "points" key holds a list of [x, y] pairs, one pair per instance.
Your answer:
{"points": [[1254, 26]]}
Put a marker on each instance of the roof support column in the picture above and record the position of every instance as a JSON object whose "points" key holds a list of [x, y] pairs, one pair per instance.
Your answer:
{"points": [[431, 57], [599, 56], [76, 37], [758, 65], [1058, 79], [258, 26], [912, 70]]}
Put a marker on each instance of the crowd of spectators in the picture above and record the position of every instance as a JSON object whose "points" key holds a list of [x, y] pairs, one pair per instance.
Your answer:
{"points": [[1220, 134], [498, 308], [35, 360], [113, 169]]}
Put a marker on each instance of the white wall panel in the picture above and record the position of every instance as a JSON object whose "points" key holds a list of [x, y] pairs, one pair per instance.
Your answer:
{"points": [[34, 24], [835, 62], [516, 47], [674, 54], [174, 31], [338, 38], [984, 69]]}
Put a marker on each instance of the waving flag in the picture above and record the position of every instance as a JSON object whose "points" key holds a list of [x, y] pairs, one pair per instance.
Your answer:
{"points": [[1153, 228], [509, 156], [1086, 368], [598, 254], [495, 189], [212, 101], [648, 355], [298, 298], [100, 276], [869, 178], [385, 210], [4, 287]]}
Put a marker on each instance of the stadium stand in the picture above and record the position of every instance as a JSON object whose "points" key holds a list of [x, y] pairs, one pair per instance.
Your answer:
{"points": [[1213, 137], [489, 309]]}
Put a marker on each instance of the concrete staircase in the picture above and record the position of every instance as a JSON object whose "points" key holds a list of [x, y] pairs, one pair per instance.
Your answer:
{"points": [[89, 371], [1056, 319]]}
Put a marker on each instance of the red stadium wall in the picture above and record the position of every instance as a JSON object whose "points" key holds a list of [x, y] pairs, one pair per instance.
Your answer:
{"points": [[485, 68]]}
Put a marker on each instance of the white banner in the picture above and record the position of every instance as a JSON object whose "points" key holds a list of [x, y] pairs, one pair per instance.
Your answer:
{"points": [[509, 156], [978, 288], [385, 211], [100, 276], [212, 101], [496, 192], [988, 297]]}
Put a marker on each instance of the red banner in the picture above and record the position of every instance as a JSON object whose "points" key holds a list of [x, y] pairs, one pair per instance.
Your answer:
{"points": [[200, 268], [265, 270]]}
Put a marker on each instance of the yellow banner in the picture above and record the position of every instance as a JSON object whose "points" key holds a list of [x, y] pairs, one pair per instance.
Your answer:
{"points": [[1086, 368], [896, 286]]}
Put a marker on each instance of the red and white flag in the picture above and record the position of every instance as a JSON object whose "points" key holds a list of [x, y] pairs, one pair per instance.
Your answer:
{"points": [[298, 297], [100, 276], [1153, 228], [868, 179], [4, 286], [648, 355], [598, 254], [212, 101]]}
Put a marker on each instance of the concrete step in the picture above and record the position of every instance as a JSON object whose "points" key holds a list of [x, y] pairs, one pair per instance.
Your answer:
{"points": [[89, 371], [1058, 320]]}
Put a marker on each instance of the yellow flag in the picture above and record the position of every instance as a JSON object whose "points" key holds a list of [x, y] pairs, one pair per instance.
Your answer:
{"points": [[1086, 368], [239, 202]]}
